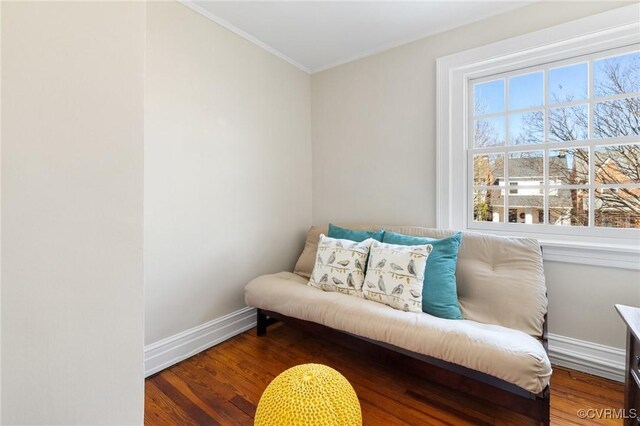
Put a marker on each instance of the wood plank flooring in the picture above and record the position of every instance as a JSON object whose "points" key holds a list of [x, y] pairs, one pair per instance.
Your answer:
{"points": [[222, 386]]}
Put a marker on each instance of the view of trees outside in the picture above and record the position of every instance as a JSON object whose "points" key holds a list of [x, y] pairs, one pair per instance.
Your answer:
{"points": [[617, 81]]}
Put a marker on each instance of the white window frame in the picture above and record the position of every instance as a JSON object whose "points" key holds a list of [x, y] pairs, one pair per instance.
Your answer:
{"points": [[613, 29]]}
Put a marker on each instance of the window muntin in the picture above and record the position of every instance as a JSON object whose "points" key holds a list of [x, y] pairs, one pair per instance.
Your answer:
{"points": [[558, 145]]}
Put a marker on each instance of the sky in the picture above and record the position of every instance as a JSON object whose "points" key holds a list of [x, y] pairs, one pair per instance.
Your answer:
{"points": [[564, 84]]}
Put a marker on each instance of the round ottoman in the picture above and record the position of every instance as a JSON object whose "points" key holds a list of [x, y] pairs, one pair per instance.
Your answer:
{"points": [[309, 394]]}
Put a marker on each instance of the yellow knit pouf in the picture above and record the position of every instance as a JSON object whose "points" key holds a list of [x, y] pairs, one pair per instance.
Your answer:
{"points": [[309, 394]]}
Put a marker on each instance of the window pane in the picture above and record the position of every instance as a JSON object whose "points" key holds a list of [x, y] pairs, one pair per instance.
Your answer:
{"points": [[568, 124], [617, 118], [526, 168], [488, 205], [568, 83], [617, 164], [487, 169], [489, 132], [489, 97], [525, 91], [569, 207], [527, 205], [569, 166], [616, 75], [534, 112], [617, 207], [526, 128]]}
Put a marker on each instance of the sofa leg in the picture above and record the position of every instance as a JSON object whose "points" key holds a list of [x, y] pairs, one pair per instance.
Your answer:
{"points": [[546, 407], [262, 324], [547, 420]]}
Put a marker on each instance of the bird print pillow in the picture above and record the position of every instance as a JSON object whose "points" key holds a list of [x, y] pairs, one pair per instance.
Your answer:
{"points": [[395, 275], [340, 265]]}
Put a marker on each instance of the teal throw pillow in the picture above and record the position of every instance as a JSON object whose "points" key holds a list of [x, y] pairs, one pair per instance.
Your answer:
{"points": [[439, 293], [353, 234]]}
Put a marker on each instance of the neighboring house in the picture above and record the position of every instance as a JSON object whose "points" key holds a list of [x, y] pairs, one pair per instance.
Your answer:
{"points": [[526, 192], [614, 207]]}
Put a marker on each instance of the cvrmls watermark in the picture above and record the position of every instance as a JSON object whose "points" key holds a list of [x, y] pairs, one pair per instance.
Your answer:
{"points": [[607, 413]]}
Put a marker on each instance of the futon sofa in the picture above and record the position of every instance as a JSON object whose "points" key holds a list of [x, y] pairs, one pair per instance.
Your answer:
{"points": [[498, 352]]}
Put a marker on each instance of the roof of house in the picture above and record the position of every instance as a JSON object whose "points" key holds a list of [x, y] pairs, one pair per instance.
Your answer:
{"points": [[531, 167]]}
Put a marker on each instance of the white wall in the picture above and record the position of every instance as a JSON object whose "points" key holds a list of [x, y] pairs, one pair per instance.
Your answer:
{"points": [[581, 300], [374, 145], [72, 181], [227, 168], [0, 210], [227, 185]]}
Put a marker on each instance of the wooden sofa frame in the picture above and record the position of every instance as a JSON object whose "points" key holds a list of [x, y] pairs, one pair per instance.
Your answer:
{"points": [[479, 385]]}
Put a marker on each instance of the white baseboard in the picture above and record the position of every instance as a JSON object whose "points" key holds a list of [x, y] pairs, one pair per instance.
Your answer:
{"points": [[588, 357], [169, 351]]}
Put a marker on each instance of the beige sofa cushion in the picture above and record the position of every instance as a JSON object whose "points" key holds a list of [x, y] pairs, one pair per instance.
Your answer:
{"points": [[507, 354], [500, 280]]}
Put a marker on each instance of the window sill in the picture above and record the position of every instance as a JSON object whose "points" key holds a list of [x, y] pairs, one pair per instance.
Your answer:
{"points": [[608, 255], [622, 253]]}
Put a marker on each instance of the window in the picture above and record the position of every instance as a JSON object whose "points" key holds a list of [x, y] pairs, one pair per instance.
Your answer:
{"points": [[569, 129], [539, 136]]}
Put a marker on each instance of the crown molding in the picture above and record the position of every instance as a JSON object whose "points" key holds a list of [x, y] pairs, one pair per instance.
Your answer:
{"points": [[398, 43], [191, 4], [207, 14]]}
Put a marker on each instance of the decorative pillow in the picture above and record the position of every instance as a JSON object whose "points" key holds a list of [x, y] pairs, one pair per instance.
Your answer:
{"points": [[340, 265], [354, 235], [439, 293], [395, 275], [307, 259]]}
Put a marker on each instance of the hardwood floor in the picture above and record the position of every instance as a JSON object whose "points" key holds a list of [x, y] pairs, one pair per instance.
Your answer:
{"points": [[223, 386]]}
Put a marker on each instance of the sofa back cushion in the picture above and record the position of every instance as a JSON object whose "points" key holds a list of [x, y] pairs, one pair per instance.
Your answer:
{"points": [[500, 279]]}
